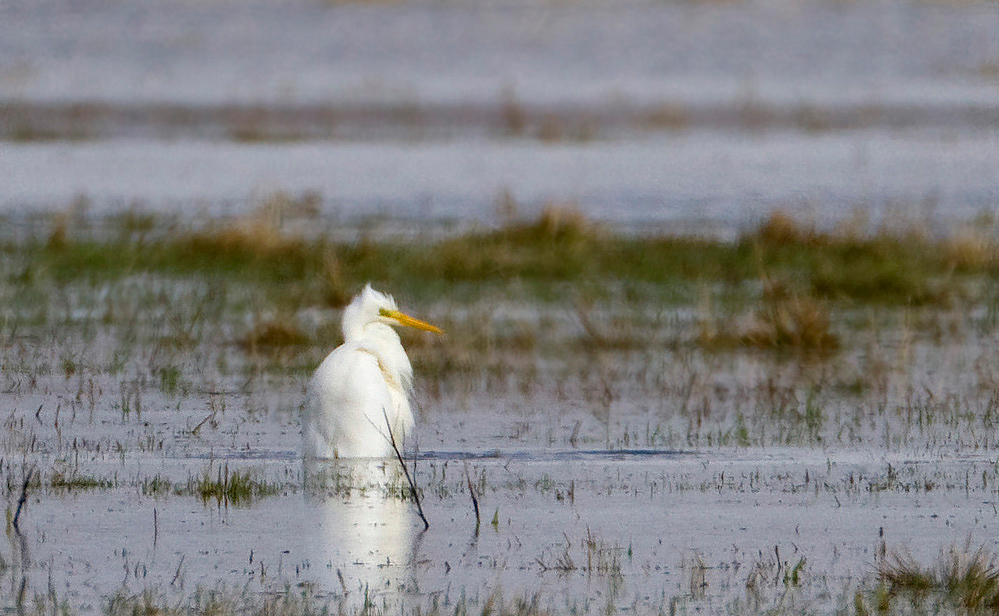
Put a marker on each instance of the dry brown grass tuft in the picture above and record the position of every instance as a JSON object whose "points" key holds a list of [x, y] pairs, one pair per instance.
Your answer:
{"points": [[966, 578], [788, 320], [262, 231], [669, 117], [780, 228], [901, 571], [337, 289], [564, 219], [971, 250], [70, 218], [58, 237], [274, 333], [785, 321]]}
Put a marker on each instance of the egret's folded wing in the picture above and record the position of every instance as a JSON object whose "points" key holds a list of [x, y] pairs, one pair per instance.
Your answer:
{"points": [[347, 398]]}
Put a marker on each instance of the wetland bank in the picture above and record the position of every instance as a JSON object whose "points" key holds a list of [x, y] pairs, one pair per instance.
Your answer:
{"points": [[798, 419]]}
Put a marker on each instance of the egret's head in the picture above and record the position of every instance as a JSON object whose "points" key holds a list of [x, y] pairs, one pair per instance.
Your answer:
{"points": [[371, 306]]}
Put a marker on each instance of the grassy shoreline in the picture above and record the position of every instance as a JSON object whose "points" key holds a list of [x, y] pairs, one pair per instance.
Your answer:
{"points": [[783, 285], [899, 266]]}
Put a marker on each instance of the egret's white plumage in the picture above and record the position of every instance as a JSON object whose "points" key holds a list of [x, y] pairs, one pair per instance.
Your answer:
{"points": [[359, 384]]}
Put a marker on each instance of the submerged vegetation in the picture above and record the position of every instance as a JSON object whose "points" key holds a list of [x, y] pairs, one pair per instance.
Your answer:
{"points": [[225, 488], [961, 582]]}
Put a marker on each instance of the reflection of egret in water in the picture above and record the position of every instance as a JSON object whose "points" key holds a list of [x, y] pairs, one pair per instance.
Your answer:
{"points": [[363, 533]]}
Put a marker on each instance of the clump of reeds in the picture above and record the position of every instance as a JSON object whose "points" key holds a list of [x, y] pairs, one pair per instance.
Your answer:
{"points": [[781, 229], [562, 220], [274, 333], [785, 320], [260, 234], [560, 245], [336, 285], [227, 488], [898, 263], [75, 481], [788, 320], [966, 578], [972, 249]]}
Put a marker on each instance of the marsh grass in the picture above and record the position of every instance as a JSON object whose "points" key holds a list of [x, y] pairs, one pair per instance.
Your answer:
{"points": [[783, 320], [225, 488], [781, 287], [561, 247], [902, 265], [551, 313], [74, 481], [302, 601], [769, 588], [156, 486], [218, 601], [964, 577], [557, 305], [274, 333]]}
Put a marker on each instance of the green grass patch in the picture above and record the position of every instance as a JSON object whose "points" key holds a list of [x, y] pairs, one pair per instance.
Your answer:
{"points": [[225, 488], [74, 481], [559, 248], [156, 486]]}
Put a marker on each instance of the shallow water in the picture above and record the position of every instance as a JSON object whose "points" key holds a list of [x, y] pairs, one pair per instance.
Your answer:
{"points": [[686, 115], [425, 51], [623, 530], [701, 183], [578, 525]]}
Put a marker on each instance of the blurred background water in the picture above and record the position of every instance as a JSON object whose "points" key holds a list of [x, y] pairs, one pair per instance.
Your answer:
{"points": [[705, 115]]}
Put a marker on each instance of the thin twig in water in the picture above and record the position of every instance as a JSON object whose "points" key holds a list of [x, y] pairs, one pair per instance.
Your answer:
{"points": [[179, 565], [195, 429], [475, 501], [22, 500], [21, 593], [405, 470], [343, 584]]}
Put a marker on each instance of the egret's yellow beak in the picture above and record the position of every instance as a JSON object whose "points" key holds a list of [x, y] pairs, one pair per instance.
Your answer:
{"points": [[408, 321]]}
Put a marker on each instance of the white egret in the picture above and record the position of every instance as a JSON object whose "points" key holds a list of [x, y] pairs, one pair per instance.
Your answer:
{"points": [[361, 383]]}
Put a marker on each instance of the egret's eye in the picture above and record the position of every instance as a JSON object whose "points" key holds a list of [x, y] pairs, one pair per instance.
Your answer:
{"points": [[384, 312]]}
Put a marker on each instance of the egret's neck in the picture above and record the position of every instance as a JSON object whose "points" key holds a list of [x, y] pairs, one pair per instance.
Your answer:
{"points": [[354, 323], [382, 341]]}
